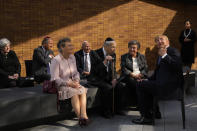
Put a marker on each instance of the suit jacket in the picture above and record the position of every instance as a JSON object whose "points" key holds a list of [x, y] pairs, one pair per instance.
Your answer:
{"points": [[94, 60], [41, 60], [102, 73], [127, 64], [168, 73]]}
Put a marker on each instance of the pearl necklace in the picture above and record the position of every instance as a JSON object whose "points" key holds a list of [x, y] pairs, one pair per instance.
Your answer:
{"points": [[188, 33]]}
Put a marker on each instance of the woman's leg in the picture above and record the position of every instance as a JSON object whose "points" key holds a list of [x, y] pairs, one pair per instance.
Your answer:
{"points": [[82, 99], [76, 105]]}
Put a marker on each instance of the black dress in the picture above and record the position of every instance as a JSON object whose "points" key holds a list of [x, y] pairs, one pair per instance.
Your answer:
{"points": [[9, 65], [187, 48]]}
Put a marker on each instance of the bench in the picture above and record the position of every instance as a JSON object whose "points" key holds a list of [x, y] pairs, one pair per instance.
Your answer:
{"points": [[20, 105]]}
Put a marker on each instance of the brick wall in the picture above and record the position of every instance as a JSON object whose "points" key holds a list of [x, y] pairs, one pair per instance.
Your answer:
{"points": [[26, 22]]}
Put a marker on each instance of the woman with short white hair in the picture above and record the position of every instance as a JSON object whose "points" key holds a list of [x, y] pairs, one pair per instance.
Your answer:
{"points": [[10, 67]]}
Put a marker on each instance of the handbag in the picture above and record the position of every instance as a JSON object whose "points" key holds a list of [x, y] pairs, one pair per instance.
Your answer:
{"points": [[49, 87], [63, 106]]}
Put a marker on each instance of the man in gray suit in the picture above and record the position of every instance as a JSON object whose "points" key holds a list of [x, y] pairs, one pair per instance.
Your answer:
{"points": [[42, 57]]}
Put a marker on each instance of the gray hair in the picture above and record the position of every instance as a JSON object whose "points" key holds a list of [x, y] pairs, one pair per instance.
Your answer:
{"points": [[62, 42], [4, 42], [46, 40], [84, 42], [134, 42]]}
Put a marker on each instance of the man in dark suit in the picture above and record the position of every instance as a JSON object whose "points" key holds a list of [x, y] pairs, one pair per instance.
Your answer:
{"points": [[106, 75], [86, 60], [42, 57], [165, 80]]}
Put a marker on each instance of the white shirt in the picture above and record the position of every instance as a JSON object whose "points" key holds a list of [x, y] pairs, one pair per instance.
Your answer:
{"points": [[88, 58], [164, 54], [136, 69], [105, 53]]}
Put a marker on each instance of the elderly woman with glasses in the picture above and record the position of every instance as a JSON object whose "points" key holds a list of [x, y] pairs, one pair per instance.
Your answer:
{"points": [[134, 67], [10, 67], [64, 72]]}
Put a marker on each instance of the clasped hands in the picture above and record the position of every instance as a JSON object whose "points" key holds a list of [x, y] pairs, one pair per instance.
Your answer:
{"points": [[13, 77], [74, 84], [138, 77], [187, 40]]}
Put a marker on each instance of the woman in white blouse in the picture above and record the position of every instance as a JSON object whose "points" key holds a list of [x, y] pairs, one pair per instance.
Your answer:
{"points": [[134, 67]]}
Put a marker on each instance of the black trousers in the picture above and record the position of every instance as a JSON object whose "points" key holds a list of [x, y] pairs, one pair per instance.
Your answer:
{"points": [[130, 91], [107, 96], [7, 83], [42, 77], [146, 91]]}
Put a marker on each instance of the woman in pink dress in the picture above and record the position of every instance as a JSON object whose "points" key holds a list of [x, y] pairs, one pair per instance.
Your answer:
{"points": [[64, 72]]}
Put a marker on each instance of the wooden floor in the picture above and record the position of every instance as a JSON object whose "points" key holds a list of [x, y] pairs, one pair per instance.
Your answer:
{"points": [[171, 121]]}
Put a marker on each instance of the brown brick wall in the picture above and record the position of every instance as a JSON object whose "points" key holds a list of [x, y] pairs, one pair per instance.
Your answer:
{"points": [[26, 22]]}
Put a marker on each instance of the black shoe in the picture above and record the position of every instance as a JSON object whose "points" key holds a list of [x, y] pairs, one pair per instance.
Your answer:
{"points": [[143, 121], [158, 115]]}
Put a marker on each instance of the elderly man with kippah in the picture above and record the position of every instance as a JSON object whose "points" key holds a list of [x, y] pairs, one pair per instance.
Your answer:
{"points": [[10, 67], [106, 80]]}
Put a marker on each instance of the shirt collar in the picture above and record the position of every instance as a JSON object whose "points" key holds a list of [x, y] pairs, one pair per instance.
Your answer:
{"points": [[104, 52], [85, 53]]}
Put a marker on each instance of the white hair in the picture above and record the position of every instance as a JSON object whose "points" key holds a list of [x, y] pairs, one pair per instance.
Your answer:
{"points": [[4, 42]]}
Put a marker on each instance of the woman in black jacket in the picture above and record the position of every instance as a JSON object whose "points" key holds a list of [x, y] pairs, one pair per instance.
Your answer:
{"points": [[10, 67], [133, 67]]}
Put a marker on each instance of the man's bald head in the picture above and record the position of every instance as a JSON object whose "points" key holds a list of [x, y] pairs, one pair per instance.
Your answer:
{"points": [[86, 47]]}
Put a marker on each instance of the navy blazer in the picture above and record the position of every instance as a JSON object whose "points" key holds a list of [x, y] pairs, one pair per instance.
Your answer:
{"points": [[168, 73], [94, 59]]}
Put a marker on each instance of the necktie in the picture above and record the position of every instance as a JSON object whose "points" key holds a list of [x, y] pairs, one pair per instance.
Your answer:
{"points": [[86, 67], [159, 60]]}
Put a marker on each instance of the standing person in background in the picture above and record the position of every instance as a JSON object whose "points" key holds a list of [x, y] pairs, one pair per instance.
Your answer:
{"points": [[42, 57], [187, 39], [10, 67]]}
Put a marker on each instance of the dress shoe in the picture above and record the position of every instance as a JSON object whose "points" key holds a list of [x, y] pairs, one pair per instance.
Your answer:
{"points": [[143, 121]]}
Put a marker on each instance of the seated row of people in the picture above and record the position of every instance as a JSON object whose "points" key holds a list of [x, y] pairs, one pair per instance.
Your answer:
{"points": [[86, 66]]}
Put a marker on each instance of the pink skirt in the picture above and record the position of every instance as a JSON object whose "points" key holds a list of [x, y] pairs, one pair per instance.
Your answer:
{"points": [[65, 92]]}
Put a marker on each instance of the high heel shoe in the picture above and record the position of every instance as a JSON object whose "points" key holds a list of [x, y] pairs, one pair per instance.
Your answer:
{"points": [[87, 122], [81, 122]]}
